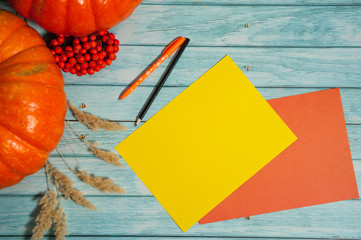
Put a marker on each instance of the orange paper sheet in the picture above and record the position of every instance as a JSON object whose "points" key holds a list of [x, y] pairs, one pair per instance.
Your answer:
{"points": [[315, 169]]}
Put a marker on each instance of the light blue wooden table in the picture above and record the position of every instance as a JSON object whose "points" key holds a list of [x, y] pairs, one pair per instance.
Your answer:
{"points": [[289, 47]]}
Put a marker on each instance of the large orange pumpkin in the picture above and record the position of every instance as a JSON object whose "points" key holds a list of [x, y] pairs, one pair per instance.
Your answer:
{"points": [[32, 100], [75, 17]]}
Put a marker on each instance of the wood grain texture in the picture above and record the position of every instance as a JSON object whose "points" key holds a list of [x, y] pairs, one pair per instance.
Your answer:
{"points": [[257, 2], [291, 47], [102, 100], [329, 26], [144, 216], [270, 26], [144, 238], [124, 177], [268, 67]]}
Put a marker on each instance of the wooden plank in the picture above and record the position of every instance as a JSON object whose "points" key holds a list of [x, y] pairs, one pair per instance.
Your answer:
{"points": [[144, 216], [102, 100], [256, 2], [252, 2], [331, 26], [224, 25], [109, 140], [268, 67], [124, 177], [145, 238]]}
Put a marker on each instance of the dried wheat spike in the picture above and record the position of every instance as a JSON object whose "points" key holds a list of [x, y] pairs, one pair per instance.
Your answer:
{"points": [[60, 223], [44, 220], [66, 187], [106, 156], [100, 183], [94, 122]]}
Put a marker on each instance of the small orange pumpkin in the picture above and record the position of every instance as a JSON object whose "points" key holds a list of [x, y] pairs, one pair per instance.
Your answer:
{"points": [[74, 17], [32, 100]]}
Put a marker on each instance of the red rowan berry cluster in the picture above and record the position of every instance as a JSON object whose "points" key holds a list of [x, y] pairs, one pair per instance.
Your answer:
{"points": [[84, 55]]}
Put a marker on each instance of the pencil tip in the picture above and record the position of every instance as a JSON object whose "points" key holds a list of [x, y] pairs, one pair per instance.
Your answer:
{"points": [[138, 121]]}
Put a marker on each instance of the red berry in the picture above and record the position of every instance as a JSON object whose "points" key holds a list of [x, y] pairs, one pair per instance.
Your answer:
{"points": [[80, 58], [105, 38], [79, 74], [101, 33], [84, 39], [86, 45], [92, 37], [53, 52], [63, 58], [83, 51], [84, 65], [87, 57], [108, 61], [68, 49], [104, 53], [72, 61], [65, 70], [100, 62], [77, 66], [92, 64], [110, 42], [61, 64], [54, 42], [116, 48], [112, 56], [67, 65], [116, 42], [91, 71], [77, 47], [109, 49], [76, 51], [97, 68], [111, 36], [72, 70], [95, 57], [56, 58], [93, 44], [61, 39], [83, 71], [93, 51], [100, 55], [76, 41], [58, 49], [70, 54], [99, 48]]}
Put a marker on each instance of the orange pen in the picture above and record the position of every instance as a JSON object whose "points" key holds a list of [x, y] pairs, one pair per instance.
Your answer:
{"points": [[165, 54]]}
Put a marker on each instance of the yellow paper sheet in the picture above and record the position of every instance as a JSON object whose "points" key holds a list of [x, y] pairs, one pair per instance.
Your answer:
{"points": [[205, 143]]}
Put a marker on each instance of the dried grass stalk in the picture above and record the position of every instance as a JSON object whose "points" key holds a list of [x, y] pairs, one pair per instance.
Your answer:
{"points": [[107, 156], [94, 122], [66, 187], [100, 183], [44, 220], [60, 223]]}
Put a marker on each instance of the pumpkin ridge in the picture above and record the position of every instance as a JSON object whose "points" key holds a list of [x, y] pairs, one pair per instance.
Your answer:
{"points": [[23, 170], [12, 32], [38, 74], [93, 14], [20, 52], [49, 146], [30, 29], [23, 140]]}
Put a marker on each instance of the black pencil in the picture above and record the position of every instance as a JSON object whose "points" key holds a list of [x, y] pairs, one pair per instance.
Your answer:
{"points": [[161, 82]]}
